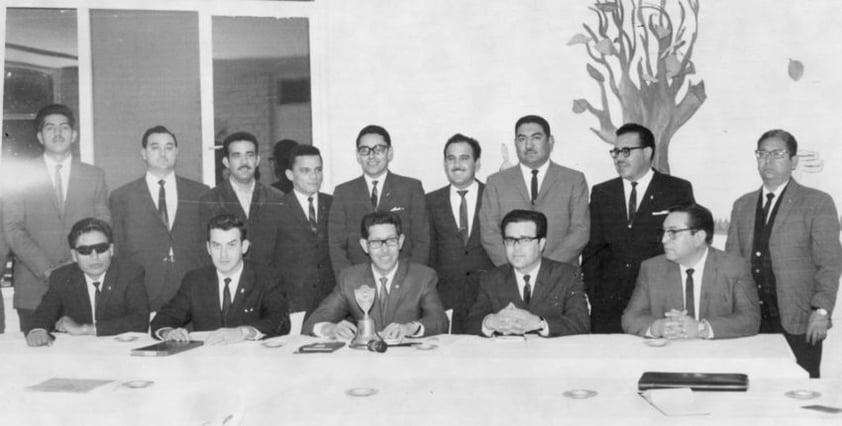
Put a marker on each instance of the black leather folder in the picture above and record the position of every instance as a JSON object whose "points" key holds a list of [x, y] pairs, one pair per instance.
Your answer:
{"points": [[695, 381], [166, 348]]}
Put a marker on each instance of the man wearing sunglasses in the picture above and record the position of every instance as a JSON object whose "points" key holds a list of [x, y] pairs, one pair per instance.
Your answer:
{"points": [[97, 294], [378, 189], [530, 293], [407, 303], [626, 213], [692, 291], [790, 235]]}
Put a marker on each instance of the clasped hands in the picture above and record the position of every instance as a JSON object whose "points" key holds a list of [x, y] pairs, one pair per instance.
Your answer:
{"points": [[222, 336], [345, 330], [676, 325], [65, 324], [512, 320]]}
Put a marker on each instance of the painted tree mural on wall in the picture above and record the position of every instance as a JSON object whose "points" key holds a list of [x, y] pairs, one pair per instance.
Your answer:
{"points": [[641, 54]]}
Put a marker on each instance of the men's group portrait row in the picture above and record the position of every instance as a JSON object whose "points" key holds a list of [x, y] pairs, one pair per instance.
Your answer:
{"points": [[530, 251]]}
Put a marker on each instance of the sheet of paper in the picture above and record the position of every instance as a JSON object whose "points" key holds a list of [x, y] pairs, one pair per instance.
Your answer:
{"points": [[674, 402], [68, 385]]}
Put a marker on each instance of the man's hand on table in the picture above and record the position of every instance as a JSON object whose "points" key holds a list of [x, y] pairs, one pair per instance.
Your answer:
{"points": [[395, 331], [512, 320], [39, 337], [344, 330], [225, 336], [176, 335], [67, 325]]}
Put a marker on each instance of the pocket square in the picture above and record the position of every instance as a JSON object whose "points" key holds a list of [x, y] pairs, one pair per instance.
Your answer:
{"points": [[396, 209], [660, 213]]}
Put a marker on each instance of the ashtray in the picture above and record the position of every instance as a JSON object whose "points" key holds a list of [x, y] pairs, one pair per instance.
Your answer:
{"points": [[425, 346], [656, 343], [580, 393], [802, 394], [273, 344], [137, 384], [360, 392], [125, 338]]}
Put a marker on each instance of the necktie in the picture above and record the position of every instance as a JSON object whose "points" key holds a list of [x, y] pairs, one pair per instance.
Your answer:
{"points": [[534, 186], [463, 216], [226, 302], [374, 194], [689, 295], [384, 296], [768, 206], [632, 202], [311, 213], [59, 189], [527, 290], [96, 298], [162, 204]]}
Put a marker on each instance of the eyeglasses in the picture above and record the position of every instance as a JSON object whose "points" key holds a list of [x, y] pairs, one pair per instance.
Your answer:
{"points": [[87, 250], [365, 151], [512, 241], [625, 151], [390, 242], [671, 233], [777, 154]]}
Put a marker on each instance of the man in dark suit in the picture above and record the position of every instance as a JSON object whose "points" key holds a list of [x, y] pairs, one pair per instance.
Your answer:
{"points": [[280, 164], [247, 198], [789, 233], [51, 193], [378, 189], [156, 219], [407, 304], [456, 251], [537, 183], [95, 295], [692, 290], [234, 299], [305, 257], [626, 215], [531, 293]]}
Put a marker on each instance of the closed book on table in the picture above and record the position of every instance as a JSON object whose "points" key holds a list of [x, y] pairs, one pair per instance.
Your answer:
{"points": [[166, 348], [695, 381]]}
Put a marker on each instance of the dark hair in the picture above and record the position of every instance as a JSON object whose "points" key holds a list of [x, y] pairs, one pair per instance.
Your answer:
{"points": [[54, 109], [238, 137], [227, 222], [462, 138], [789, 140], [536, 119], [373, 129], [302, 151], [156, 130], [647, 139], [89, 224], [519, 216], [280, 155], [699, 218], [379, 218]]}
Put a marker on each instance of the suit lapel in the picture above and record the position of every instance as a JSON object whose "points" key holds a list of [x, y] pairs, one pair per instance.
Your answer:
{"points": [[709, 282], [674, 291], [142, 190], [244, 288], [510, 290], [376, 313], [361, 188], [298, 211], [79, 288], [231, 198], [543, 285], [47, 185], [397, 291], [791, 199], [515, 179], [107, 289], [653, 192], [616, 208], [385, 201], [551, 179], [324, 210]]}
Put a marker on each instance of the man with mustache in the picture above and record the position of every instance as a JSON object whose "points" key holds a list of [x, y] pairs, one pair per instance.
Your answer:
{"points": [[51, 193], [537, 183], [243, 196], [626, 215]]}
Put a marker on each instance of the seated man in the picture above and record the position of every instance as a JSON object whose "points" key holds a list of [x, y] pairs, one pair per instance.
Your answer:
{"points": [[692, 290], [236, 300], [407, 303], [96, 294], [530, 293]]}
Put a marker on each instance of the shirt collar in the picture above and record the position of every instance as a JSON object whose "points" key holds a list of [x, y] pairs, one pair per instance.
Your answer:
{"points": [[235, 276], [473, 188], [235, 185], [91, 281], [644, 180], [527, 171], [389, 275], [302, 198], [533, 273], [777, 191], [698, 266], [169, 180], [380, 179], [51, 164]]}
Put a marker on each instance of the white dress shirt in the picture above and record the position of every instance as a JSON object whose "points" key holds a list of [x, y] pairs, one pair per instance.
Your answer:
{"points": [[698, 277], [642, 186], [470, 200], [527, 176], [92, 293], [232, 286], [171, 194], [243, 197], [64, 172], [777, 193], [305, 203], [381, 180]]}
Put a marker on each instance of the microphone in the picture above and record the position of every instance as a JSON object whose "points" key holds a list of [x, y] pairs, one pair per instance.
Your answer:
{"points": [[377, 346]]}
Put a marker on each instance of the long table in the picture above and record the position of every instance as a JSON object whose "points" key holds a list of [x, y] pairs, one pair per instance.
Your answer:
{"points": [[463, 380]]}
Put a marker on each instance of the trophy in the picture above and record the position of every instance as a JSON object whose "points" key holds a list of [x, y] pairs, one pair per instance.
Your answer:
{"points": [[366, 331]]}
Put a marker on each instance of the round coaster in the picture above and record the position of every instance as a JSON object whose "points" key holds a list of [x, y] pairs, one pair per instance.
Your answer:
{"points": [[125, 338], [803, 394], [425, 346], [273, 344], [656, 343], [580, 393], [360, 392], [137, 384]]}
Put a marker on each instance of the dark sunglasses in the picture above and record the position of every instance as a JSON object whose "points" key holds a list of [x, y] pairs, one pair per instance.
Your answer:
{"points": [[87, 250]]}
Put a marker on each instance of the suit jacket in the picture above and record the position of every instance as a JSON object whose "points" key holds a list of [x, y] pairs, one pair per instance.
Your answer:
{"points": [[259, 302], [563, 198], [559, 298], [804, 247], [612, 258], [729, 300], [122, 306], [4, 251], [412, 297], [352, 201], [140, 235], [457, 264], [263, 221], [304, 254], [36, 228]]}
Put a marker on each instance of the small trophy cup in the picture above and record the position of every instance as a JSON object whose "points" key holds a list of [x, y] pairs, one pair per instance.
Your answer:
{"points": [[365, 327]]}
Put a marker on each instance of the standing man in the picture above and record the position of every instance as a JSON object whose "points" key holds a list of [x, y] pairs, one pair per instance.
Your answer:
{"points": [[305, 257], [692, 290], [530, 293], [626, 215], [790, 235], [52, 193], [377, 189], [280, 164], [456, 251], [244, 196], [156, 219], [537, 183]]}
